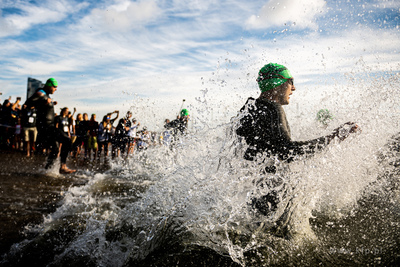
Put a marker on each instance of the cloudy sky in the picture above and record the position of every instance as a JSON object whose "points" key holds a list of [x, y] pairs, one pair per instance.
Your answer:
{"points": [[149, 55]]}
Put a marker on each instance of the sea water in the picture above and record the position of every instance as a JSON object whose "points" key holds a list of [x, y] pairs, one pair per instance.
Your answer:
{"points": [[189, 204]]}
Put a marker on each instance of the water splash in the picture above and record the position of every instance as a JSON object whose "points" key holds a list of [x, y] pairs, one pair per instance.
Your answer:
{"points": [[191, 202]]}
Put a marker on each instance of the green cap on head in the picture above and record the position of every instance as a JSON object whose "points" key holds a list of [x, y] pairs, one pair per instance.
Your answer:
{"points": [[184, 112], [51, 82], [272, 75], [324, 116]]}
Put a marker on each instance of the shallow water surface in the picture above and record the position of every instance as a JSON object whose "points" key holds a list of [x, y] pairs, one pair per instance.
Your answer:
{"points": [[189, 204]]}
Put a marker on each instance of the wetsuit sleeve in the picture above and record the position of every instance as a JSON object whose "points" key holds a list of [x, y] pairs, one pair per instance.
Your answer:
{"points": [[266, 131], [260, 128], [287, 149], [281, 144], [36, 100], [44, 108]]}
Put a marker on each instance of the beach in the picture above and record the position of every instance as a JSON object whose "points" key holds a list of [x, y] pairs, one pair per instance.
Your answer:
{"points": [[28, 193], [184, 206]]}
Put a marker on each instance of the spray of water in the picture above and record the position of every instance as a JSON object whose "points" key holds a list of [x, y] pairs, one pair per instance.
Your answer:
{"points": [[194, 197]]}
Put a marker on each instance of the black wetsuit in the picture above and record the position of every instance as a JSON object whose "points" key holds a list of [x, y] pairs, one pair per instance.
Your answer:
{"points": [[178, 126], [264, 126], [45, 123]]}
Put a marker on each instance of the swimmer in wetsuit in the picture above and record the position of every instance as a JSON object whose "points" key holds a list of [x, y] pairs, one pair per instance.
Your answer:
{"points": [[264, 127], [180, 125], [45, 122]]}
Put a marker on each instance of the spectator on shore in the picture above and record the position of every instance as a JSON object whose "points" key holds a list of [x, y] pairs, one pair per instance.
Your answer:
{"points": [[82, 131], [6, 111], [132, 136], [16, 123], [103, 136], [144, 139], [119, 140], [110, 127], [15, 112], [63, 132], [17, 135], [128, 118], [77, 144], [92, 139], [111, 121], [5, 122], [166, 136], [128, 124], [29, 129], [71, 125], [85, 133]]}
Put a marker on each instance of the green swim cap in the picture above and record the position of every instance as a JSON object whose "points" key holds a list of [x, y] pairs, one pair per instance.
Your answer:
{"points": [[324, 116], [272, 75], [184, 112], [51, 82]]}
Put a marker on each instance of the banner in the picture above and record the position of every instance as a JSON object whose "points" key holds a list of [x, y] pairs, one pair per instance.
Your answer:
{"points": [[33, 85]]}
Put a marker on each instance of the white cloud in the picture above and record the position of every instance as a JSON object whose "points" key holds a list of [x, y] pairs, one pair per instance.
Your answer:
{"points": [[111, 50], [31, 14], [125, 16], [41, 67], [324, 57], [300, 13], [394, 4]]}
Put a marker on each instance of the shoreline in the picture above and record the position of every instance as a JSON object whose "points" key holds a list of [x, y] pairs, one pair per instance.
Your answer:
{"points": [[28, 194]]}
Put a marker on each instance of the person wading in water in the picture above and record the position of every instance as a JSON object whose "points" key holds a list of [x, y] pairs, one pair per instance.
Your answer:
{"points": [[46, 125], [265, 129]]}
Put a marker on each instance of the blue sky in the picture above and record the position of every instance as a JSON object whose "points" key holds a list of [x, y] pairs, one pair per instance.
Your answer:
{"points": [[149, 55]]}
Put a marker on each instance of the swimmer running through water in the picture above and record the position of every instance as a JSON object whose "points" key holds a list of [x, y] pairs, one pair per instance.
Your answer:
{"points": [[264, 127], [46, 124]]}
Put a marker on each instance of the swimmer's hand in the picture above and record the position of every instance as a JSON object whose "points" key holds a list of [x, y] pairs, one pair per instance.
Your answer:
{"points": [[344, 130]]}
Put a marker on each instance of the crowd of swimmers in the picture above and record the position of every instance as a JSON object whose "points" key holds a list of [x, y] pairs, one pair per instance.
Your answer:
{"points": [[89, 138]]}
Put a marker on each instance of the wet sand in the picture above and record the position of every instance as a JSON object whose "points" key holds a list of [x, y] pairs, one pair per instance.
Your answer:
{"points": [[28, 193]]}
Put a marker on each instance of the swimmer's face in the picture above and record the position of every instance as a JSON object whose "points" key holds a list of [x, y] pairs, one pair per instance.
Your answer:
{"points": [[285, 91], [50, 89], [53, 89]]}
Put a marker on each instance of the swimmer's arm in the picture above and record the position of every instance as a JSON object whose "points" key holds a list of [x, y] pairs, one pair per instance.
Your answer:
{"points": [[312, 146], [38, 99], [288, 149], [344, 131]]}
